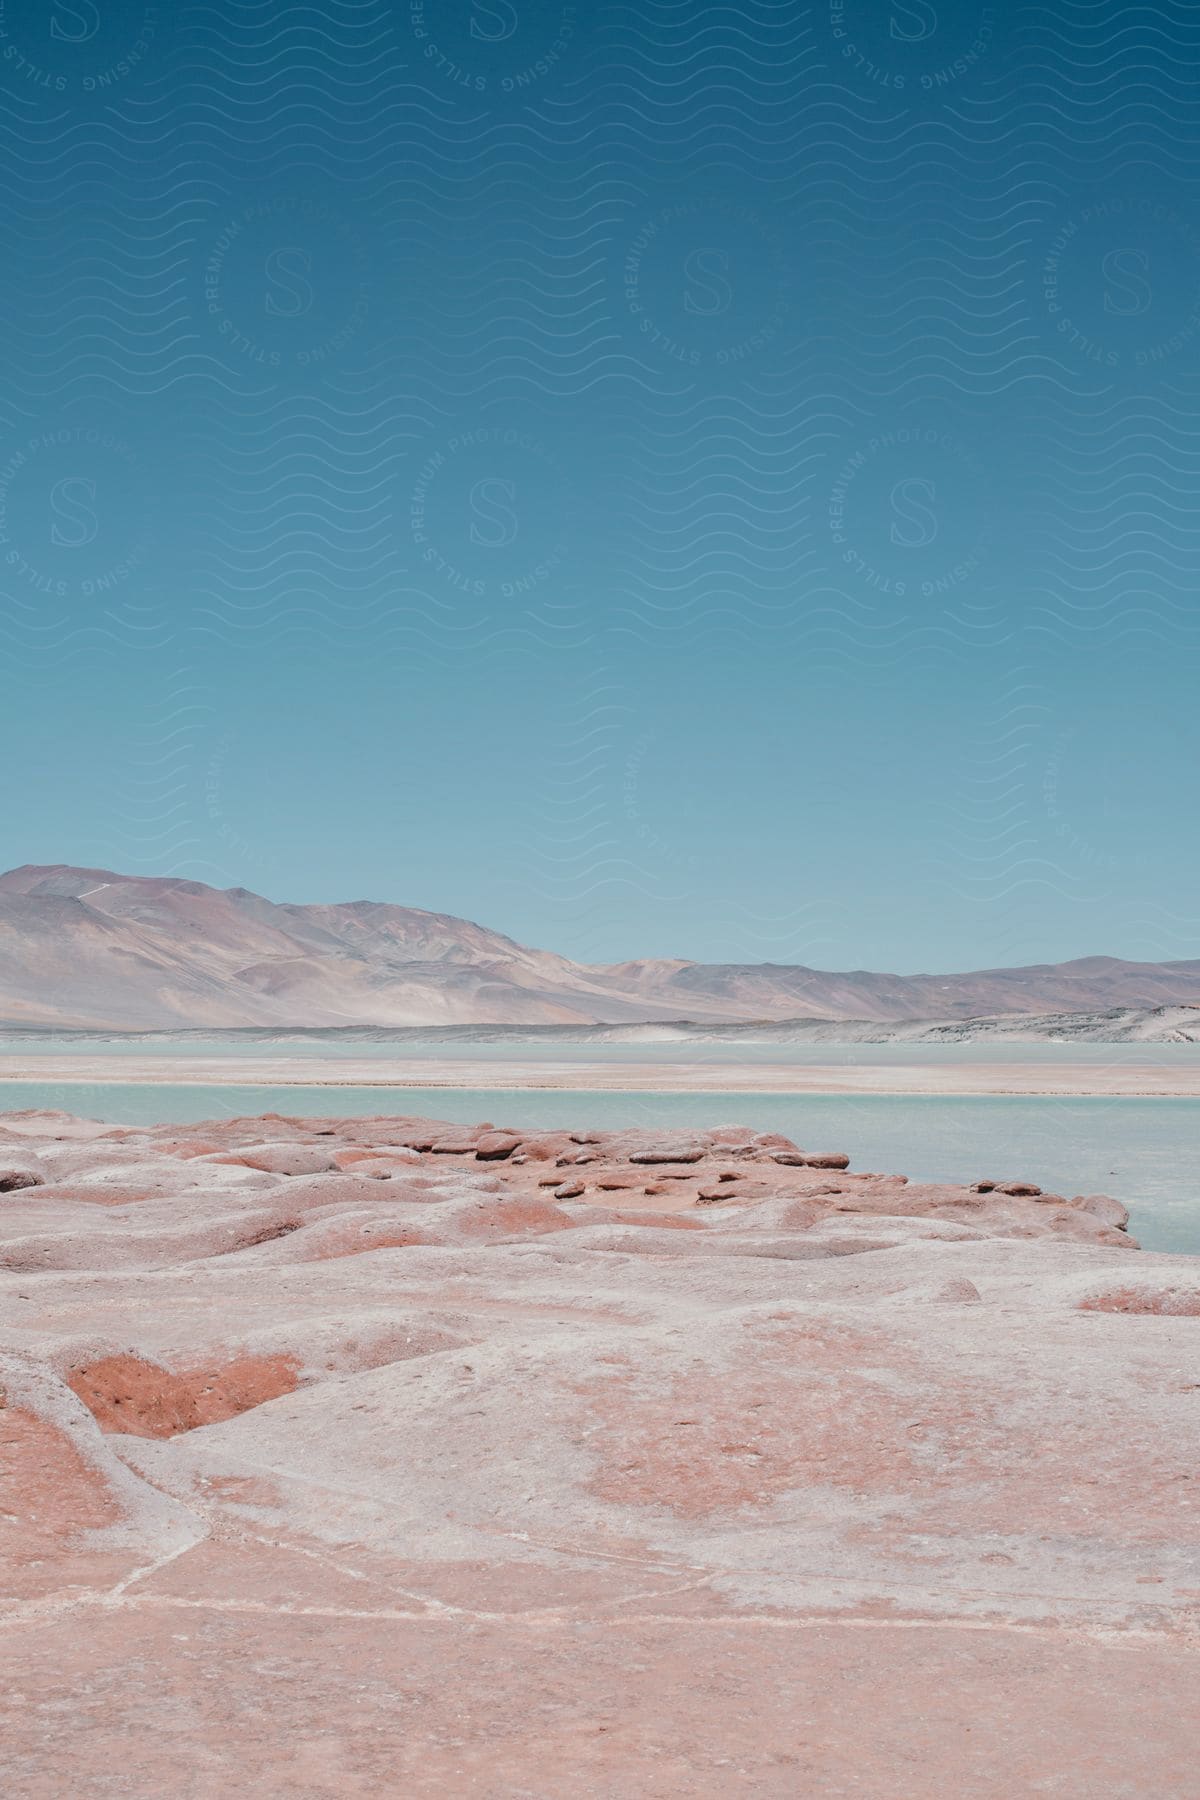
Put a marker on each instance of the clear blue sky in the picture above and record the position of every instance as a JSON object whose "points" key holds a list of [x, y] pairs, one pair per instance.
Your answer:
{"points": [[656, 480]]}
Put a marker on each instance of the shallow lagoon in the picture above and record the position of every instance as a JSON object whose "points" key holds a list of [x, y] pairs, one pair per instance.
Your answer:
{"points": [[1142, 1151]]}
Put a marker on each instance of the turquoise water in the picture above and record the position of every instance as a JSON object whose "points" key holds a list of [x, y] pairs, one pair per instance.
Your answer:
{"points": [[1143, 1151]]}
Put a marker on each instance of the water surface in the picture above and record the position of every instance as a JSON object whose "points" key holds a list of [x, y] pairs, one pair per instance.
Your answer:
{"points": [[1142, 1151]]}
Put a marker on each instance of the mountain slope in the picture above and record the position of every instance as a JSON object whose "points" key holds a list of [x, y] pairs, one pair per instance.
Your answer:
{"points": [[87, 947]]}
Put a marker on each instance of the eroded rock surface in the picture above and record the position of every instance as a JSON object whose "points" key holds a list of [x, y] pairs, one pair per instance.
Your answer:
{"points": [[348, 1457]]}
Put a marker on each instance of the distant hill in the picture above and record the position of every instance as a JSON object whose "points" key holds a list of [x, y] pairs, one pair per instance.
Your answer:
{"points": [[90, 948]]}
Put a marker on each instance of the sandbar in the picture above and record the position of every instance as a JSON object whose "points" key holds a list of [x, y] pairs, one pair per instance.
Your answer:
{"points": [[1123, 1078]]}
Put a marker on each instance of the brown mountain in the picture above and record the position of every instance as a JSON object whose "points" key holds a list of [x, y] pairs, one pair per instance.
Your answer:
{"points": [[86, 947]]}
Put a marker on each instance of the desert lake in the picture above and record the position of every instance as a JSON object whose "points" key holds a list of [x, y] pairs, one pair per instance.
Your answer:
{"points": [[1140, 1147]]}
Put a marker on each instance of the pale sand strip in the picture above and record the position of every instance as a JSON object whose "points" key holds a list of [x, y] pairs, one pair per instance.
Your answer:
{"points": [[1109, 1081]]}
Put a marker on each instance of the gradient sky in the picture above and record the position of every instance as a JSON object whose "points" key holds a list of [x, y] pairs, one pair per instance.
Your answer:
{"points": [[658, 479]]}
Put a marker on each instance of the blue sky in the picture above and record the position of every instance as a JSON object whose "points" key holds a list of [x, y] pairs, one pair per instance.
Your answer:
{"points": [[657, 480]]}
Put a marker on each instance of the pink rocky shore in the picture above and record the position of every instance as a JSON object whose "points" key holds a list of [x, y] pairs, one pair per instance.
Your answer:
{"points": [[366, 1456]]}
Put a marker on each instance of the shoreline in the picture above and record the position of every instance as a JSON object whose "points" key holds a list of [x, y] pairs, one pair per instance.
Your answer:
{"points": [[917, 1081]]}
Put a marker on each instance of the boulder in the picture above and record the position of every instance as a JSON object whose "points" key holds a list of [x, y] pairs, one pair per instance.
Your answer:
{"points": [[457, 1143], [546, 1148], [958, 1291], [496, 1146], [14, 1176], [668, 1154], [1102, 1206]]}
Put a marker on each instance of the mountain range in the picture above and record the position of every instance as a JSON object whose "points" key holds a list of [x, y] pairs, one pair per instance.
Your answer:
{"points": [[89, 948]]}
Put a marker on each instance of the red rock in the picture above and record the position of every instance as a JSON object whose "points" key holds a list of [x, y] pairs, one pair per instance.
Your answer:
{"points": [[58, 1515], [456, 1143], [808, 1159], [545, 1149], [385, 1158], [667, 1154], [379, 1165], [456, 1489], [496, 1146], [958, 1292], [126, 1394], [513, 1218], [14, 1176], [421, 1140], [1166, 1303], [289, 1159], [190, 1147], [1102, 1206]]}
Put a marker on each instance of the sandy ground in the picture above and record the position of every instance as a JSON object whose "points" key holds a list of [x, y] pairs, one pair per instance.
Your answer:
{"points": [[1065, 1078]]}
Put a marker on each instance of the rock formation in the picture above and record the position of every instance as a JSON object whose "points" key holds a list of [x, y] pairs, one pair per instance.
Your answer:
{"points": [[359, 1457]]}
